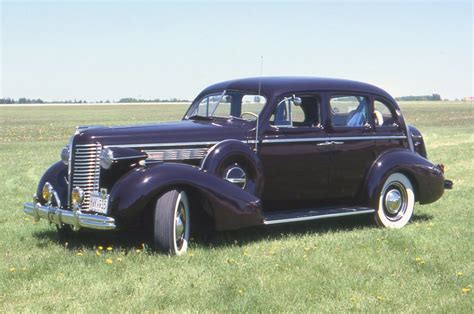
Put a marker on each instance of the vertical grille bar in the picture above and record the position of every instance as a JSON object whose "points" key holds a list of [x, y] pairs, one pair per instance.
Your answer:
{"points": [[86, 170]]}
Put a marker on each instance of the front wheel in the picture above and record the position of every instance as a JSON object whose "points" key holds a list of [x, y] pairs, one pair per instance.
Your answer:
{"points": [[396, 202], [172, 222]]}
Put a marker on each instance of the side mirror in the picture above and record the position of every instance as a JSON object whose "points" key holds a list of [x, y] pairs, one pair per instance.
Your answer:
{"points": [[296, 100]]}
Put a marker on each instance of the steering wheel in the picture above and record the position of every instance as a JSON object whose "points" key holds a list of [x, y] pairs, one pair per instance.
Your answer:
{"points": [[249, 113]]}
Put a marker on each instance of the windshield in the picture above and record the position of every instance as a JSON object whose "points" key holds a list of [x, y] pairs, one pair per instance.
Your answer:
{"points": [[226, 104]]}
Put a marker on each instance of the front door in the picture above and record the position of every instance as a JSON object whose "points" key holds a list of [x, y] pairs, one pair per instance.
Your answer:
{"points": [[296, 168]]}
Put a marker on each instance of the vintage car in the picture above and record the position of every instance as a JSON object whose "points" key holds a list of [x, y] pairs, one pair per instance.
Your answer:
{"points": [[248, 152]]}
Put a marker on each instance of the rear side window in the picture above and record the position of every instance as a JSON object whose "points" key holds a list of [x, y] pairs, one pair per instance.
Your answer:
{"points": [[349, 111], [384, 115]]}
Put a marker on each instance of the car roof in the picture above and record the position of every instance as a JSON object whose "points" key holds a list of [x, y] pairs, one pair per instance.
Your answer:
{"points": [[278, 85]]}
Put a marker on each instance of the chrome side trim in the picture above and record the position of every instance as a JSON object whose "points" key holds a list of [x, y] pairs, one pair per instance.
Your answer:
{"points": [[76, 218], [296, 140], [129, 157], [306, 218], [165, 144], [323, 139], [376, 137], [176, 154]]}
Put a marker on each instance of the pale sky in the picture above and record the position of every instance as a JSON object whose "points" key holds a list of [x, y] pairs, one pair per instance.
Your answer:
{"points": [[108, 50]]}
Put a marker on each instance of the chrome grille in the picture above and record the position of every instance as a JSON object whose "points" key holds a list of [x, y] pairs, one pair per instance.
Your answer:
{"points": [[86, 170]]}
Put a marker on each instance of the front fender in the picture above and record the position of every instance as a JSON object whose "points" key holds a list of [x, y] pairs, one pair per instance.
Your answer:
{"points": [[427, 179], [230, 206], [56, 175]]}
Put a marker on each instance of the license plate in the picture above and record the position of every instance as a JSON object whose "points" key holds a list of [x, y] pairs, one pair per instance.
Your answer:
{"points": [[98, 203]]}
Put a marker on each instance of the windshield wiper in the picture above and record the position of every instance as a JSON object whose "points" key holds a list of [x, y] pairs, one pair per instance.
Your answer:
{"points": [[199, 117]]}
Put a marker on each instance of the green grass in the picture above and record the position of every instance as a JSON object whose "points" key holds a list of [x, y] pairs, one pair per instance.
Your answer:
{"points": [[333, 265]]}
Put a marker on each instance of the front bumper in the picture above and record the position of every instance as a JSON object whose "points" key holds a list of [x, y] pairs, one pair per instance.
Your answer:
{"points": [[76, 219]]}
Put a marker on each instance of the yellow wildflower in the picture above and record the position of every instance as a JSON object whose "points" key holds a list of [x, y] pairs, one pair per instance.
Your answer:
{"points": [[119, 259], [419, 260], [190, 254], [241, 291], [380, 297], [79, 254], [12, 269], [466, 290], [109, 261], [97, 253], [459, 274], [100, 247], [109, 248]]}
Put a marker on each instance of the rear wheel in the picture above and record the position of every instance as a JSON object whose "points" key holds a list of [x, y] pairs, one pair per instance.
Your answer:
{"points": [[172, 222], [396, 202]]}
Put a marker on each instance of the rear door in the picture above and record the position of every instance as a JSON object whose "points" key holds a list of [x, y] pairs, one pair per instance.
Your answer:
{"points": [[352, 145]]}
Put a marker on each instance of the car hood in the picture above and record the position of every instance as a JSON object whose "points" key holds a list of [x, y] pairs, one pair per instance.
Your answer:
{"points": [[180, 133]]}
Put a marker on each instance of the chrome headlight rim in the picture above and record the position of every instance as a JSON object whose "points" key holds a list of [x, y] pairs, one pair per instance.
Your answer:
{"points": [[106, 158], [77, 196], [47, 192], [65, 154]]}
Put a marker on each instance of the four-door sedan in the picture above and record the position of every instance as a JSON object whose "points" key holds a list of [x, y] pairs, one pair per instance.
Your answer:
{"points": [[256, 151]]}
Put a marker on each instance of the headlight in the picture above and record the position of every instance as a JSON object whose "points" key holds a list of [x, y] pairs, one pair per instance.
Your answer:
{"points": [[106, 158], [77, 196], [47, 192], [65, 152]]}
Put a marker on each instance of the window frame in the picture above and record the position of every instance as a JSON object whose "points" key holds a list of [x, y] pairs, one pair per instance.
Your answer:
{"points": [[392, 110], [318, 95], [370, 121], [202, 96]]}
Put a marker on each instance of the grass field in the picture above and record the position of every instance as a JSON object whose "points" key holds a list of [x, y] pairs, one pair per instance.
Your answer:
{"points": [[333, 265]]}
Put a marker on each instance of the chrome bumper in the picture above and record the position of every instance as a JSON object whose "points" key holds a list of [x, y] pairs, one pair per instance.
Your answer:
{"points": [[76, 219]]}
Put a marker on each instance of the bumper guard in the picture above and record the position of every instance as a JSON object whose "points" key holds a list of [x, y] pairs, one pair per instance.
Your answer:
{"points": [[76, 219]]}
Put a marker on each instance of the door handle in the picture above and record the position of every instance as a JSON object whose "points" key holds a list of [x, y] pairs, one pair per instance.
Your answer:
{"points": [[324, 144], [329, 143]]}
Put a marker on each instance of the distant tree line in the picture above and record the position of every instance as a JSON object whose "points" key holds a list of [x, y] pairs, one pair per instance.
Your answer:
{"points": [[134, 100], [419, 98], [122, 100]]}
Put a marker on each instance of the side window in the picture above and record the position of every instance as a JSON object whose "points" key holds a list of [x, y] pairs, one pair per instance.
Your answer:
{"points": [[297, 111], [349, 111], [253, 104], [383, 115], [208, 105]]}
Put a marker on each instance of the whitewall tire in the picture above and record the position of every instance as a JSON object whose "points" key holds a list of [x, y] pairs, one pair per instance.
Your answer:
{"points": [[396, 202], [172, 222]]}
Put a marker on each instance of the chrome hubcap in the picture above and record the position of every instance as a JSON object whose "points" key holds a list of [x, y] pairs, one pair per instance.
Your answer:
{"points": [[180, 225], [393, 201]]}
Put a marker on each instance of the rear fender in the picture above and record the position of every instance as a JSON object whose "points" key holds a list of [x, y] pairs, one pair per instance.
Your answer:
{"points": [[230, 206], [427, 179]]}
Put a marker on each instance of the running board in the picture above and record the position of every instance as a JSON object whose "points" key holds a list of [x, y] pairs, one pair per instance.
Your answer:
{"points": [[282, 217]]}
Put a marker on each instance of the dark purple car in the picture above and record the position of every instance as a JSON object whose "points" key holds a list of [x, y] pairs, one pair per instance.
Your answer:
{"points": [[248, 152]]}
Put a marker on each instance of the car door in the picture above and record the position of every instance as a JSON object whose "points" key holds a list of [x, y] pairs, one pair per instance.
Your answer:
{"points": [[352, 145], [296, 168]]}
